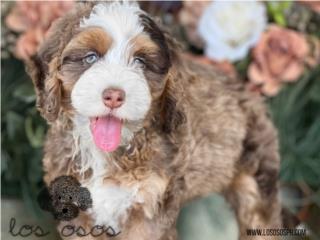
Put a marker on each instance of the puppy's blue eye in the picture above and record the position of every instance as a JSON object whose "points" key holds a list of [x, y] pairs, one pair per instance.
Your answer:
{"points": [[138, 60], [91, 58]]}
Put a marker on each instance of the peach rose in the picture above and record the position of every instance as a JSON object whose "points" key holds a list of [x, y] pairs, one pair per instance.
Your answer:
{"points": [[33, 19], [27, 44], [278, 57]]}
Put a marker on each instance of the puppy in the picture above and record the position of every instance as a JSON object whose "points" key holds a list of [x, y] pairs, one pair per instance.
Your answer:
{"points": [[146, 130]]}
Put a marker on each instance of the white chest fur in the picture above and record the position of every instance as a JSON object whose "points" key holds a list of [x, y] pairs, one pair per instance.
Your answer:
{"points": [[110, 203]]}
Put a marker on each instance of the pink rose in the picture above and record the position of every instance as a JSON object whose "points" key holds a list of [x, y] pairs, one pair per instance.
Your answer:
{"points": [[33, 19], [27, 44], [278, 57]]}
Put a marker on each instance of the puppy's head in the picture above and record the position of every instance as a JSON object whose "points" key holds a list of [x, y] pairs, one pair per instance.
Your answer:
{"points": [[106, 66]]}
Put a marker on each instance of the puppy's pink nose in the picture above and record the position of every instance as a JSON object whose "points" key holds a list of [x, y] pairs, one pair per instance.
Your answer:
{"points": [[113, 97]]}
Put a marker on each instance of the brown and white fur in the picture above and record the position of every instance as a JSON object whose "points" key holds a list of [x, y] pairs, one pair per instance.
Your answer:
{"points": [[188, 131]]}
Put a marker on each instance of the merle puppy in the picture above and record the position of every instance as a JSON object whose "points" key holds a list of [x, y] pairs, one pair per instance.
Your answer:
{"points": [[145, 129]]}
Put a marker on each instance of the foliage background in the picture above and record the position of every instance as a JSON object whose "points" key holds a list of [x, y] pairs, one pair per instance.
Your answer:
{"points": [[295, 111]]}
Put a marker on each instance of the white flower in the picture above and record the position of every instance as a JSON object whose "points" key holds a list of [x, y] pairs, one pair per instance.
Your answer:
{"points": [[230, 29]]}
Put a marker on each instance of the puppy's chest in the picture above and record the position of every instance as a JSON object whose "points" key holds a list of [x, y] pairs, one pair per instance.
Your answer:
{"points": [[115, 192], [113, 200], [111, 203]]}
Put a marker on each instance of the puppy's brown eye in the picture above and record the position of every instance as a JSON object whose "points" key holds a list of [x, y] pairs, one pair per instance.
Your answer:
{"points": [[91, 58], [139, 61]]}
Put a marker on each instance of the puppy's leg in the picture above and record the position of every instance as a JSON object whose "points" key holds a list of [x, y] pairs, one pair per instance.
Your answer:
{"points": [[253, 210], [254, 191]]}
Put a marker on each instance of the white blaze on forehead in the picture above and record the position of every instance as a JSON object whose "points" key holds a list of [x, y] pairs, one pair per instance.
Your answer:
{"points": [[120, 20]]}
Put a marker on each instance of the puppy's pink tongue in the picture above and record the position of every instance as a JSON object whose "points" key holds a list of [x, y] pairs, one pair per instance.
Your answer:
{"points": [[106, 132]]}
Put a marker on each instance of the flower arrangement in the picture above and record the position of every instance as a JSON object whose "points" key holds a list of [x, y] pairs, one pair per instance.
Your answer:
{"points": [[231, 32]]}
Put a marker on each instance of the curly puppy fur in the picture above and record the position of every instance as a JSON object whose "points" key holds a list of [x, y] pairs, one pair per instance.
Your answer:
{"points": [[201, 132]]}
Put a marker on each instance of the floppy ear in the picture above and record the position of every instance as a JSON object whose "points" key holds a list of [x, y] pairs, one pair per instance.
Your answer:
{"points": [[173, 112], [43, 70], [172, 103]]}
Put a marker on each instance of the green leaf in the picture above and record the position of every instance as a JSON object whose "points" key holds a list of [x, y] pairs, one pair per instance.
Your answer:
{"points": [[25, 92], [277, 11], [297, 117]]}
